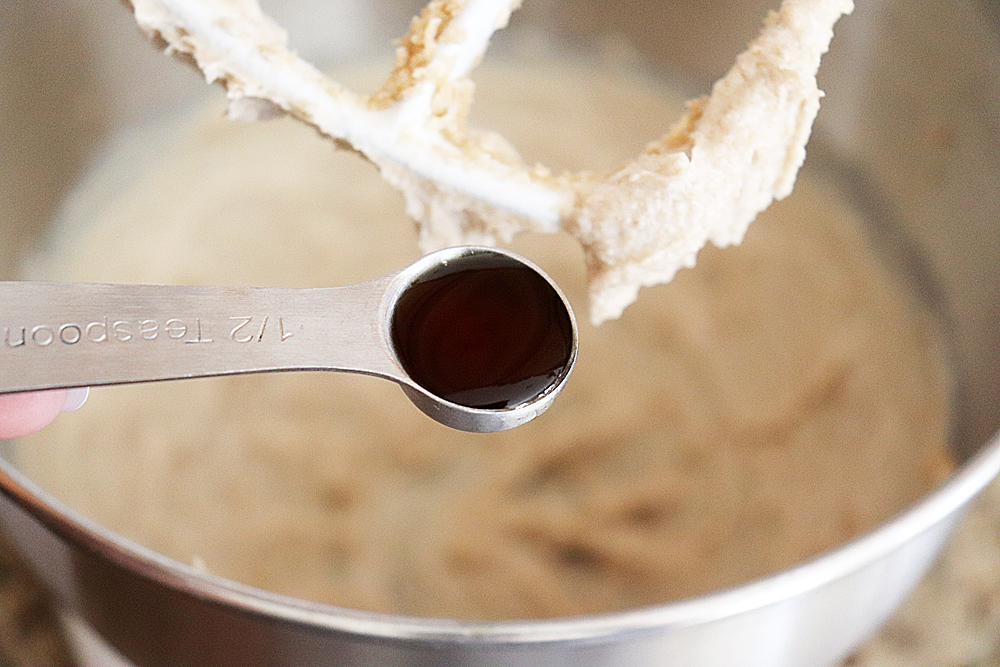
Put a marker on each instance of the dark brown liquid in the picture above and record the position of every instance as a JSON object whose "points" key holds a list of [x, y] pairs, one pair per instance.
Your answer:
{"points": [[484, 331]]}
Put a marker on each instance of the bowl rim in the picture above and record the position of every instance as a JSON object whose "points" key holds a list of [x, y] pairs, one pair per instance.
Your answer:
{"points": [[946, 501]]}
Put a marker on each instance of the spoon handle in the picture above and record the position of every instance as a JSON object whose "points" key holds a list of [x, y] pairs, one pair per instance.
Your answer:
{"points": [[79, 334]]}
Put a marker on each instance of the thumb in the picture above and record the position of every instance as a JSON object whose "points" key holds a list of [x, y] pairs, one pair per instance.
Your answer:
{"points": [[24, 413]]}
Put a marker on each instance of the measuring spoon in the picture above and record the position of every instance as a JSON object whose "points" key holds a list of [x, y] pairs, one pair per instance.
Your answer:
{"points": [[479, 338]]}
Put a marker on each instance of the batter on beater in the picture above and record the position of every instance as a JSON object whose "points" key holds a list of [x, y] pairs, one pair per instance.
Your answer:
{"points": [[706, 179]]}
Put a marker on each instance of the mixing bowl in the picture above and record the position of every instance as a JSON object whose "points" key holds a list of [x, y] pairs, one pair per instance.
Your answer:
{"points": [[910, 128]]}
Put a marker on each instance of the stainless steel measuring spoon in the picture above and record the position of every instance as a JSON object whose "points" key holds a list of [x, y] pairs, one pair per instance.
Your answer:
{"points": [[479, 338]]}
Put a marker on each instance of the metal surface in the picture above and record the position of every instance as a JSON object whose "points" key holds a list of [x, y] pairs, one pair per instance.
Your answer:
{"points": [[911, 110], [60, 335]]}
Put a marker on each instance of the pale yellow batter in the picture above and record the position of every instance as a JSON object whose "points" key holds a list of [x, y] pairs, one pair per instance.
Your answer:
{"points": [[778, 399]]}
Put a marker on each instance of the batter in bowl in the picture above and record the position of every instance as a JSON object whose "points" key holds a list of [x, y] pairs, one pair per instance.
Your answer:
{"points": [[780, 398]]}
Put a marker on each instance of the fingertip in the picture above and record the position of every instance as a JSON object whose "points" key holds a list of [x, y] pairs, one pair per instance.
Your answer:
{"points": [[25, 413]]}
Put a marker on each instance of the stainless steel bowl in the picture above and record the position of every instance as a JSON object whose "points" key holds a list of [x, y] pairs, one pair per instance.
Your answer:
{"points": [[911, 125]]}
